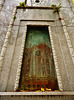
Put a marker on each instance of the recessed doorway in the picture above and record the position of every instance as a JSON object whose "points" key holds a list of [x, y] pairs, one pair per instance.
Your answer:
{"points": [[38, 70]]}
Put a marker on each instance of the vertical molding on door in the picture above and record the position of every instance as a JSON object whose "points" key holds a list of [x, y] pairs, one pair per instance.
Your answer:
{"points": [[20, 60], [55, 61]]}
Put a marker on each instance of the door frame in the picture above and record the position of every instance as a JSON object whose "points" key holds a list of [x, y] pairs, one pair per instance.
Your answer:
{"points": [[16, 85]]}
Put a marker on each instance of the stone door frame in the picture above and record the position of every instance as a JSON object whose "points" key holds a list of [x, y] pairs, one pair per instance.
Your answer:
{"points": [[53, 51]]}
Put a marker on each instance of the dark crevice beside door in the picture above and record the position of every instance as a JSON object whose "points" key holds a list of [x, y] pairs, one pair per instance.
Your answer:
{"points": [[38, 70]]}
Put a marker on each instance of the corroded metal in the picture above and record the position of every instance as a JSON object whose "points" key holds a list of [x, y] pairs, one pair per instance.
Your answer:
{"points": [[38, 70]]}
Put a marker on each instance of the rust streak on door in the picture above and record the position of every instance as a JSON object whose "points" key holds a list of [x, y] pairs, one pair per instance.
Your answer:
{"points": [[38, 68]]}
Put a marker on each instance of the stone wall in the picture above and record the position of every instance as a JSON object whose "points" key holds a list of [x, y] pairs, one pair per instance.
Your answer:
{"points": [[63, 44], [7, 9]]}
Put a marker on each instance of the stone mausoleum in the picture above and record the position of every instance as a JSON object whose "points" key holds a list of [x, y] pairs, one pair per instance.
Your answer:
{"points": [[36, 49]]}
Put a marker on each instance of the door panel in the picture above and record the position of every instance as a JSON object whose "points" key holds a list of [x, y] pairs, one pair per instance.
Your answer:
{"points": [[38, 70]]}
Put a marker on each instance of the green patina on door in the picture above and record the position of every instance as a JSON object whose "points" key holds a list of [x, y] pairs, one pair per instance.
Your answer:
{"points": [[38, 68]]}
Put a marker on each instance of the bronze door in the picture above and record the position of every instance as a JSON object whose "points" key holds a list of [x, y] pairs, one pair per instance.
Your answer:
{"points": [[38, 70]]}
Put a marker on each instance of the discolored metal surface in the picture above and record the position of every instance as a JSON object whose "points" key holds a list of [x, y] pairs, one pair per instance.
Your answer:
{"points": [[38, 69]]}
